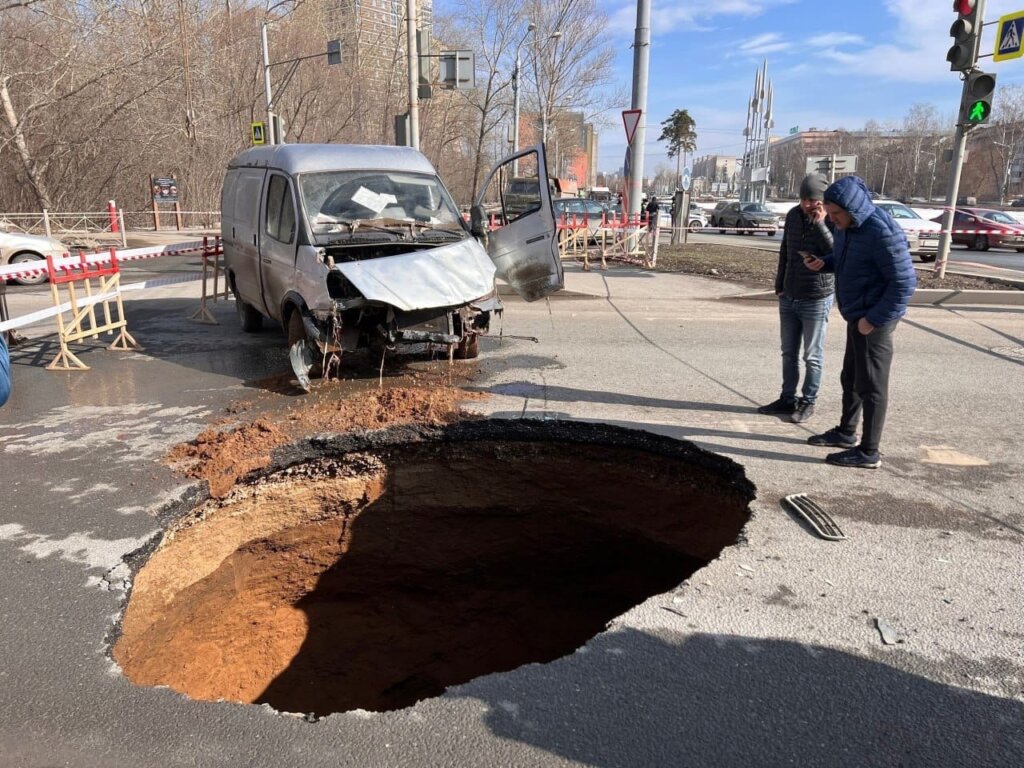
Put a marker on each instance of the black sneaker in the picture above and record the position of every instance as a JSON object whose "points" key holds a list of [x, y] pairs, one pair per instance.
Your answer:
{"points": [[835, 438], [804, 411], [780, 406], [855, 457]]}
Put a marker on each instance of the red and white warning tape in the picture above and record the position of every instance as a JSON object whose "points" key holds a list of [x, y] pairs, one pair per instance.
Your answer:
{"points": [[68, 262]]}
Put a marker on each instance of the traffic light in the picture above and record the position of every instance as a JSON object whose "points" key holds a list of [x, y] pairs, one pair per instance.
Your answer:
{"points": [[976, 103], [966, 33]]}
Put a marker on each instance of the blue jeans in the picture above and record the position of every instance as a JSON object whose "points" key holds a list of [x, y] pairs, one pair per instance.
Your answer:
{"points": [[803, 320]]}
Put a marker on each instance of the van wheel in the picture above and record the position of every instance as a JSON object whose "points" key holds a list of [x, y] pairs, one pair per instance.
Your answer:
{"points": [[927, 258], [248, 316], [468, 348], [301, 351]]}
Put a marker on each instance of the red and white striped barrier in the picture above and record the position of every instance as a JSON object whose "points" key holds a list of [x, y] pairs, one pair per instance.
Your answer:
{"points": [[67, 263]]}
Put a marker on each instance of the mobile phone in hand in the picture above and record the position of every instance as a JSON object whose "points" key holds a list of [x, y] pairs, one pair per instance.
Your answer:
{"points": [[807, 256]]}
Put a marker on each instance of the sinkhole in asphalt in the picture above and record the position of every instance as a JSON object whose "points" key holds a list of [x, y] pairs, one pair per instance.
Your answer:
{"points": [[371, 572]]}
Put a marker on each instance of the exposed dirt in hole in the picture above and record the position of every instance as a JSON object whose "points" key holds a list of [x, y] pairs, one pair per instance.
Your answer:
{"points": [[221, 456], [377, 578]]}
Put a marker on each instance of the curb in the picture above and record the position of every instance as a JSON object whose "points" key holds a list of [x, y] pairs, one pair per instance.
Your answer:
{"points": [[937, 297]]}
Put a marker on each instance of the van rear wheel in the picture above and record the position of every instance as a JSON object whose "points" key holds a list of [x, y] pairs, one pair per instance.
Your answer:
{"points": [[248, 316]]}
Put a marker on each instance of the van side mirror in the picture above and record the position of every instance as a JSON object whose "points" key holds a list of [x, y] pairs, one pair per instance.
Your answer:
{"points": [[478, 221]]}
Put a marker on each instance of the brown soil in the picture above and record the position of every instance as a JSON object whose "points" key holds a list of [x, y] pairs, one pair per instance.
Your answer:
{"points": [[374, 580], [757, 268], [222, 456]]}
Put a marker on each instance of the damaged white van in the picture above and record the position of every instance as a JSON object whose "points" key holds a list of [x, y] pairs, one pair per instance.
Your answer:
{"points": [[351, 246]]}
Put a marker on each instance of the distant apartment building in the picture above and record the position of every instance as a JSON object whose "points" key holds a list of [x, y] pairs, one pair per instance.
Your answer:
{"points": [[571, 146], [714, 173], [373, 32]]}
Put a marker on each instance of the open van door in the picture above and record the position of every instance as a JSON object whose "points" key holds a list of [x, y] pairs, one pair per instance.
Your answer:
{"points": [[523, 245]]}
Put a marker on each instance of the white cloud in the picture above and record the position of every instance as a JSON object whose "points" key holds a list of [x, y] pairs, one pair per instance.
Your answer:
{"points": [[833, 39], [671, 15], [770, 42]]}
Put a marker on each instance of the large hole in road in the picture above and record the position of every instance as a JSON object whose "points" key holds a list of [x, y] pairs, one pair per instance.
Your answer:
{"points": [[373, 571]]}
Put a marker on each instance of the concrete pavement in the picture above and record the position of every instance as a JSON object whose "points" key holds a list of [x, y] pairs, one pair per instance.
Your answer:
{"points": [[768, 656]]}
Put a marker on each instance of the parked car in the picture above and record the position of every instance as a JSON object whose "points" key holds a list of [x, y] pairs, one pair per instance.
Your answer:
{"points": [[697, 219], [352, 246], [747, 218], [590, 212], [18, 248], [986, 229], [716, 213], [922, 234]]}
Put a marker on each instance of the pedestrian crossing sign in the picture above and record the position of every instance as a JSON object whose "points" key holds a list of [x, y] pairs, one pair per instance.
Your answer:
{"points": [[259, 134], [1008, 37]]}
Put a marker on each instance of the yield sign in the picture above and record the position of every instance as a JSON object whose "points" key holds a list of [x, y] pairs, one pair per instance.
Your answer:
{"points": [[630, 119]]}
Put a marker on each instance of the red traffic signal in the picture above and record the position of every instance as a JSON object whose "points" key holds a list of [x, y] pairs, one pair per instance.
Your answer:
{"points": [[966, 32]]}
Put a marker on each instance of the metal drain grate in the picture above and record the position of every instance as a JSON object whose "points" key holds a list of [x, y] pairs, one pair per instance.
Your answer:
{"points": [[816, 517]]}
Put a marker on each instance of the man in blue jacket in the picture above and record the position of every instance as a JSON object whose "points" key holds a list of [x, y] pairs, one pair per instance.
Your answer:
{"points": [[874, 281], [5, 369]]}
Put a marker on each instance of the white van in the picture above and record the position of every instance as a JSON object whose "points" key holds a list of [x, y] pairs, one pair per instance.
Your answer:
{"points": [[351, 246]]}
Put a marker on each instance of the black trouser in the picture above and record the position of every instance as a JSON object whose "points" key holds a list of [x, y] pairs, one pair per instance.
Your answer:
{"points": [[865, 380]]}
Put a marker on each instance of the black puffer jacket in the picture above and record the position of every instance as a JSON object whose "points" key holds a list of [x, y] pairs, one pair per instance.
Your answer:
{"points": [[794, 280]]}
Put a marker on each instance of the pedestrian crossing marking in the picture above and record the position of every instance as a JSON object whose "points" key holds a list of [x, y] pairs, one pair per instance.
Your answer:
{"points": [[1011, 40]]}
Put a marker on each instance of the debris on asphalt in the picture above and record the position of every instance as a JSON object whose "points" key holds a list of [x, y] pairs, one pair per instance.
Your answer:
{"points": [[888, 632]]}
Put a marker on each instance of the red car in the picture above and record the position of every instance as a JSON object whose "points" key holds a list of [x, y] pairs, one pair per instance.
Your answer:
{"points": [[986, 229]]}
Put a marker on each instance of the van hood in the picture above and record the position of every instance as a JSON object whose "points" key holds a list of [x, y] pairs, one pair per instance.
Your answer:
{"points": [[446, 276]]}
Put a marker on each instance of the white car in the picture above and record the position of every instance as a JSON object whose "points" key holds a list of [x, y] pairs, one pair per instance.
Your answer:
{"points": [[697, 219], [922, 234], [17, 248]]}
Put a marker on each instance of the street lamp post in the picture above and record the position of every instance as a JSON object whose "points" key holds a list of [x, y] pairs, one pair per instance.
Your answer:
{"points": [[536, 77], [515, 98]]}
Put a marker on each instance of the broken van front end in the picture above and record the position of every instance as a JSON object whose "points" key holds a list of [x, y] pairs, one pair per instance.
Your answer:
{"points": [[442, 294]]}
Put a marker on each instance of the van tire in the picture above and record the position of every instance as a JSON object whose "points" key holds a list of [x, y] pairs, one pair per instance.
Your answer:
{"points": [[248, 316]]}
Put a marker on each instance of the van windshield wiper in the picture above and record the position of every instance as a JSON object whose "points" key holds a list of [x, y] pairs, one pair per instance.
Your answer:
{"points": [[429, 232]]}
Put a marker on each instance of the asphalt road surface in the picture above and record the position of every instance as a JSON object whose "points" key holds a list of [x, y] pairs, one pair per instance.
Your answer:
{"points": [[770, 655]]}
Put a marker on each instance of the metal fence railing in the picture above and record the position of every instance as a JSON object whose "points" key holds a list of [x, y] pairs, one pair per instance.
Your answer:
{"points": [[59, 224]]}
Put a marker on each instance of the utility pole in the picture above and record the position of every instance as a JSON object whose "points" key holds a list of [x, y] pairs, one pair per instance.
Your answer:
{"points": [[963, 57], [641, 58], [414, 70]]}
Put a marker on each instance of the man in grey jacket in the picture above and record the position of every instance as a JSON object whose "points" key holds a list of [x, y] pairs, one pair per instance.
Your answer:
{"points": [[805, 300]]}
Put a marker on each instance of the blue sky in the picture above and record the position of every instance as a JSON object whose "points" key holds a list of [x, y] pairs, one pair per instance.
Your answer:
{"points": [[834, 64]]}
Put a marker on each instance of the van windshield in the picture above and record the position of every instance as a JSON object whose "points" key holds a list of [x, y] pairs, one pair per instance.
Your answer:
{"points": [[334, 201]]}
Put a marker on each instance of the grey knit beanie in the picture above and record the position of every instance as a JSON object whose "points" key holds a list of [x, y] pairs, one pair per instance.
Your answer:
{"points": [[813, 187]]}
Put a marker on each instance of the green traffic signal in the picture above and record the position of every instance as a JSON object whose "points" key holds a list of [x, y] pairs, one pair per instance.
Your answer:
{"points": [[979, 112]]}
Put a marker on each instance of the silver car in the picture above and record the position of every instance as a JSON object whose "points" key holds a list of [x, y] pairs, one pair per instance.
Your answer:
{"points": [[18, 248]]}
